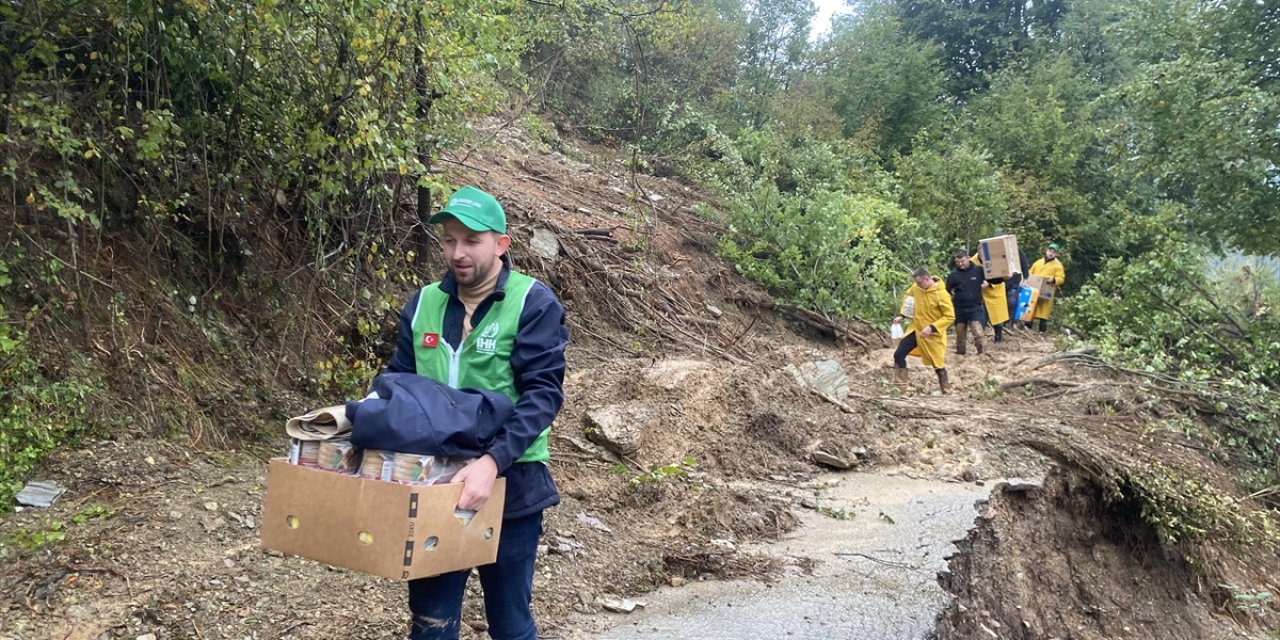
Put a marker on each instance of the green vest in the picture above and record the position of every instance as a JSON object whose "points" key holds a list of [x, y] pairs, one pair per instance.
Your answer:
{"points": [[484, 359]]}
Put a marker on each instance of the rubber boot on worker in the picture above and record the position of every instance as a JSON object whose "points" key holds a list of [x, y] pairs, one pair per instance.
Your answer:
{"points": [[900, 378], [961, 330], [943, 381], [976, 328]]}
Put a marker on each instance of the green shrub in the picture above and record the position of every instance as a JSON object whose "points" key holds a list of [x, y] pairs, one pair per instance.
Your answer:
{"points": [[1209, 326], [37, 415], [830, 252]]}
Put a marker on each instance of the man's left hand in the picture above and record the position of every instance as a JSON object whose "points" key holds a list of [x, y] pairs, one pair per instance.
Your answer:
{"points": [[477, 482]]}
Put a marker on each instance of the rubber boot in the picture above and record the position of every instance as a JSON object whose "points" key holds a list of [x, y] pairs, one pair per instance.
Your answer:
{"points": [[900, 378], [943, 381], [961, 330], [977, 335]]}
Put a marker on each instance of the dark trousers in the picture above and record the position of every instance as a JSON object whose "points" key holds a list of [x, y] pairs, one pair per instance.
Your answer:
{"points": [[1044, 324], [965, 315], [905, 346], [436, 603]]}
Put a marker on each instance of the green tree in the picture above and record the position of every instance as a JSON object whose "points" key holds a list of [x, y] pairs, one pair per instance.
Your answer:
{"points": [[979, 37], [1201, 113], [956, 189], [774, 46], [884, 84]]}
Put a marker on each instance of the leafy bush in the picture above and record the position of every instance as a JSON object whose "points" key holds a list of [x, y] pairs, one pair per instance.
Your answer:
{"points": [[37, 415], [815, 221], [1210, 325], [163, 117], [827, 251]]}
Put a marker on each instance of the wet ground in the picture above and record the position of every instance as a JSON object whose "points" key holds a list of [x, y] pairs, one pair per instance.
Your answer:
{"points": [[880, 541]]}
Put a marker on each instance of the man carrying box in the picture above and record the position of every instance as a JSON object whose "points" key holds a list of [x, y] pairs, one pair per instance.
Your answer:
{"points": [[995, 301], [1049, 268], [1013, 287], [487, 326]]}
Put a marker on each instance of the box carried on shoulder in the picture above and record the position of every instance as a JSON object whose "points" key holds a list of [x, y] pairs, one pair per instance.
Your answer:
{"points": [[999, 257], [388, 529]]}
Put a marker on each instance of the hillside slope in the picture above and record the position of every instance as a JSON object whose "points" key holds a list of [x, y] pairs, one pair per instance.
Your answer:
{"points": [[160, 535]]}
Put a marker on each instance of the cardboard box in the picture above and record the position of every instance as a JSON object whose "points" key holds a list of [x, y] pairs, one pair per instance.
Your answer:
{"points": [[1041, 284], [999, 256], [1026, 307], [396, 531]]}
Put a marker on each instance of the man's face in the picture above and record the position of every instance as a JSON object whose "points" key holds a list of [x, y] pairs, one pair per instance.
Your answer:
{"points": [[962, 262], [472, 256], [924, 282], [1050, 254]]}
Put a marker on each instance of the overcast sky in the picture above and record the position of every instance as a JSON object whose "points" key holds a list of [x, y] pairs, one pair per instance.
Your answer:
{"points": [[826, 9]]}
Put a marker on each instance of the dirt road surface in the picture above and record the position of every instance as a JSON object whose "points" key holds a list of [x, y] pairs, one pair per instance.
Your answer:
{"points": [[879, 540]]}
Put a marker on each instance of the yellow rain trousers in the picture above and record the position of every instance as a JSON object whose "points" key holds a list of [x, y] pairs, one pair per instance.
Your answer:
{"points": [[993, 299]]}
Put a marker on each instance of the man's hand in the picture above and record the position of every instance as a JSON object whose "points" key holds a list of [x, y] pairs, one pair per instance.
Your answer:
{"points": [[927, 331], [477, 482], [985, 284]]}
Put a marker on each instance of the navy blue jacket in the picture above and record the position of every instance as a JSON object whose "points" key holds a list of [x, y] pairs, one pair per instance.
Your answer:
{"points": [[415, 414], [965, 286], [538, 362]]}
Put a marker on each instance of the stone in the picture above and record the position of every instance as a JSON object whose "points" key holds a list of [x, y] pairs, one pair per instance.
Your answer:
{"points": [[831, 460], [621, 428], [544, 243], [827, 376]]}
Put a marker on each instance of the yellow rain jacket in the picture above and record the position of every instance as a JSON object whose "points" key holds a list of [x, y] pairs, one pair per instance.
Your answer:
{"points": [[993, 299], [933, 308], [1044, 306]]}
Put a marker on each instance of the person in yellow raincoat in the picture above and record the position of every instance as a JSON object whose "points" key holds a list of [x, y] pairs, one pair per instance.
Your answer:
{"points": [[996, 302], [927, 336], [1051, 268]]}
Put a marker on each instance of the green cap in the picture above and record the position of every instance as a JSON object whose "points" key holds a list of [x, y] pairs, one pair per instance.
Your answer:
{"points": [[474, 208], [1053, 245]]}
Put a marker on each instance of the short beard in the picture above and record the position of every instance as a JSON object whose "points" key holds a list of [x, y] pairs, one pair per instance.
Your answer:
{"points": [[480, 275]]}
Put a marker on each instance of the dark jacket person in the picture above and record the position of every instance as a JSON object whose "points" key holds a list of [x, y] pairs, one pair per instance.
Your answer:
{"points": [[964, 283], [487, 326]]}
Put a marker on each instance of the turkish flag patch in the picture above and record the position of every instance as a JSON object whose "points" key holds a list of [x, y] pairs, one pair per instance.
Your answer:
{"points": [[430, 340]]}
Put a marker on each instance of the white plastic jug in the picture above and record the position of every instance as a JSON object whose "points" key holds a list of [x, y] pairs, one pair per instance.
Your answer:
{"points": [[908, 307]]}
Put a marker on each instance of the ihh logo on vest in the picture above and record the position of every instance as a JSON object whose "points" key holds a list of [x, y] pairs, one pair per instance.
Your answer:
{"points": [[487, 342]]}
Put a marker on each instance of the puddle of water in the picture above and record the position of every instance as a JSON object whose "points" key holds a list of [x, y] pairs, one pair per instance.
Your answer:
{"points": [[876, 578]]}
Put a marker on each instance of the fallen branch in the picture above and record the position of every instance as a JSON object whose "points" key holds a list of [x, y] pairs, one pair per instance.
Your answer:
{"points": [[1005, 386], [601, 231], [846, 554], [843, 407]]}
